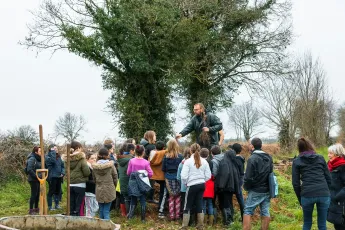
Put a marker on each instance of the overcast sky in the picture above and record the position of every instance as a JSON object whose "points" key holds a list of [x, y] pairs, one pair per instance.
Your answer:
{"points": [[37, 90]]}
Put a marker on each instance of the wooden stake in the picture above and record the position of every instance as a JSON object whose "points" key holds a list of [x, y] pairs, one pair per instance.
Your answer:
{"points": [[68, 180], [43, 192]]}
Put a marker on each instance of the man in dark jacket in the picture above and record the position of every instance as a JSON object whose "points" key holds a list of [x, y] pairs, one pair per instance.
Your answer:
{"points": [[259, 166], [206, 126], [56, 170]]}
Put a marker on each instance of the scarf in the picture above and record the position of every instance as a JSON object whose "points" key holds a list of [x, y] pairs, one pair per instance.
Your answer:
{"points": [[338, 161]]}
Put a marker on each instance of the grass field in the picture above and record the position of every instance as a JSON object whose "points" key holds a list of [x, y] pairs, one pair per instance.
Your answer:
{"points": [[285, 210]]}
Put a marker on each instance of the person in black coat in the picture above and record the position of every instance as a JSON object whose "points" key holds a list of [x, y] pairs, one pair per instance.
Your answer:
{"points": [[34, 163], [336, 166], [311, 169], [227, 184]]}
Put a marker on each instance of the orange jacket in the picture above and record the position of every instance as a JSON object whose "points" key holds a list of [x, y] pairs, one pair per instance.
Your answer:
{"points": [[156, 165]]}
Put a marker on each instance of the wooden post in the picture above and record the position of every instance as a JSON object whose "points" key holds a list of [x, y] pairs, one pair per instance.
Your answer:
{"points": [[43, 192], [68, 172]]}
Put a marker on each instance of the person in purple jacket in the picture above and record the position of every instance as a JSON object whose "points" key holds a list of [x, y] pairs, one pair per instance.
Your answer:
{"points": [[134, 165]]}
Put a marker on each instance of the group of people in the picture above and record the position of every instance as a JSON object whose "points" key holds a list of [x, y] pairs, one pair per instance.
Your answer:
{"points": [[191, 180]]}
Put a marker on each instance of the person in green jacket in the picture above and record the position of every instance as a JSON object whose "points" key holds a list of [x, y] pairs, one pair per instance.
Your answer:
{"points": [[79, 176], [206, 126], [123, 160]]}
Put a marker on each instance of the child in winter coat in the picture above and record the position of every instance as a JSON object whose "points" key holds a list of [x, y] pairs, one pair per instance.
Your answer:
{"points": [[170, 166], [186, 155], [156, 160], [91, 205], [209, 191], [137, 164], [105, 177]]}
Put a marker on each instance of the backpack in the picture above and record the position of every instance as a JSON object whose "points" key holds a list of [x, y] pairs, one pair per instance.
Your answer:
{"points": [[273, 184], [26, 167]]}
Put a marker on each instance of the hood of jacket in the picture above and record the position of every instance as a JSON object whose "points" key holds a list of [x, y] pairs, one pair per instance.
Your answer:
{"points": [[102, 167], [309, 158], [124, 159], [144, 142], [75, 158], [265, 156], [218, 157], [36, 156]]}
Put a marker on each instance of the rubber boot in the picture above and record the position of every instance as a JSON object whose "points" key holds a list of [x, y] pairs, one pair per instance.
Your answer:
{"points": [[210, 220], [131, 211], [143, 213], [225, 217], [123, 210], [200, 219], [215, 213], [127, 205], [192, 219], [229, 216], [185, 221]]}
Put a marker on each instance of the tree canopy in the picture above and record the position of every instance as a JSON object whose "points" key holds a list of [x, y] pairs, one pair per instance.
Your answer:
{"points": [[201, 50]]}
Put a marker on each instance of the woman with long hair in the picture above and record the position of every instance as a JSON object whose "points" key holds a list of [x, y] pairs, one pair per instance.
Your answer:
{"points": [[171, 162], [34, 163], [311, 169], [195, 173]]}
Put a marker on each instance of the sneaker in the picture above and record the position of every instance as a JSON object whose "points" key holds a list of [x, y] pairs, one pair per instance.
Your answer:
{"points": [[58, 207], [161, 215], [51, 209]]}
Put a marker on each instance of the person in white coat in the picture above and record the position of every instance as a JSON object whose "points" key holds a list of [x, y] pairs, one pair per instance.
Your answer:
{"points": [[195, 173]]}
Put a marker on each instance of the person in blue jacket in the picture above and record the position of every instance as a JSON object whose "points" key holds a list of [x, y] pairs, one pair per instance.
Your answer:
{"points": [[56, 171]]}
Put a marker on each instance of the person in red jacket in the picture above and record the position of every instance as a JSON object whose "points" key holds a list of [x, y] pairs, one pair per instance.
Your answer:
{"points": [[209, 191]]}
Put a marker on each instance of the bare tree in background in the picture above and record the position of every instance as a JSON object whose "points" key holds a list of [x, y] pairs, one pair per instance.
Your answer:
{"points": [[279, 106], [70, 126], [341, 122], [313, 117], [244, 118], [25, 133]]}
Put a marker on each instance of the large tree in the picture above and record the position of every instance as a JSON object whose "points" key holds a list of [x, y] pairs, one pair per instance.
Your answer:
{"points": [[204, 48]]}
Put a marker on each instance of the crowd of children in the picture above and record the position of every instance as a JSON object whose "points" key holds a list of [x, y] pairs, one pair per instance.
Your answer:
{"points": [[189, 184]]}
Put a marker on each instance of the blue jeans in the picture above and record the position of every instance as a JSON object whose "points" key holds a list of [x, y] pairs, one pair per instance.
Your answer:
{"points": [[104, 210], [207, 204], [322, 204], [255, 199]]}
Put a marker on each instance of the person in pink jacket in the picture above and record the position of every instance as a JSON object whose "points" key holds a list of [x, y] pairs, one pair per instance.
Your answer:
{"points": [[134, 165]]}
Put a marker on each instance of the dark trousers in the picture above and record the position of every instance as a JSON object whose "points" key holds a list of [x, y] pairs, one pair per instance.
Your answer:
{"points": [[225, 199], [54, 189], [339, 227], [183, 196], [150, 194], [77, 196], [35, 194], [194, 195]]}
